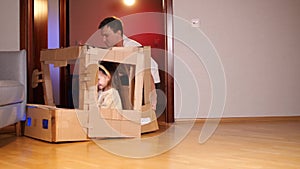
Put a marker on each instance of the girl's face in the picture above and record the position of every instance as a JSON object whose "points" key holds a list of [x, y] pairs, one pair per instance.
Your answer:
{"points": [[103, 81]]}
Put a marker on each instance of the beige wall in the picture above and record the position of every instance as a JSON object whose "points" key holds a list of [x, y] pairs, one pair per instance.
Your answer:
{"points": [[9, 29], [258, 44]]}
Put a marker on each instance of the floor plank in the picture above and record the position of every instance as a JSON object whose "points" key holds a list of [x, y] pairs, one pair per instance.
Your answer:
{"points": [[253, 144]]}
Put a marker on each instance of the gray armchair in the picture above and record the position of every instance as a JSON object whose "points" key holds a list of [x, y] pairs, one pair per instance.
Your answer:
{"points": [[13, 87]]}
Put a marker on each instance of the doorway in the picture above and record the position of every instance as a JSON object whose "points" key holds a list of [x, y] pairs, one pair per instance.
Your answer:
{"points": [[78, 20]]}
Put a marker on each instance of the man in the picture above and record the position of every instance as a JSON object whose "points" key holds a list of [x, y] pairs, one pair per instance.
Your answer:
{"points": [[112, 31]]}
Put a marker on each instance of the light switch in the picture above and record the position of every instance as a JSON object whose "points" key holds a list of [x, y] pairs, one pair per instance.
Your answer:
{"points": [[195, 22]]}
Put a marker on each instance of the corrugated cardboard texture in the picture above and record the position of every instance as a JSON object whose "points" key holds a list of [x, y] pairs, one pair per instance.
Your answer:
{"points": [[53, 124]]}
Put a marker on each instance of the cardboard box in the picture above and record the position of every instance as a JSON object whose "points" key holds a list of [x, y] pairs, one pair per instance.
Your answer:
{"points": [[148, 120], [113, 123], [53, 124], [135, 96], [63, 124]]}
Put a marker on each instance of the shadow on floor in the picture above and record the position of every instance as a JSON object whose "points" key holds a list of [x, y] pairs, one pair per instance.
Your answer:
{"points": [[7, 138]]}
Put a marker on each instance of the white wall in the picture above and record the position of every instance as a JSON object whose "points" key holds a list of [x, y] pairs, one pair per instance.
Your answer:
{"points": [[10, 27], [258, 44]]}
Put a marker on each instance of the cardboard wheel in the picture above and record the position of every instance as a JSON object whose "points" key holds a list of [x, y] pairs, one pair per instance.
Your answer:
{"points": [[35, 78]]}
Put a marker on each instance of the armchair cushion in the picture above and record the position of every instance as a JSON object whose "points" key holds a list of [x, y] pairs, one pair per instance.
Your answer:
{"points": [[11, 92], [13, 87]]}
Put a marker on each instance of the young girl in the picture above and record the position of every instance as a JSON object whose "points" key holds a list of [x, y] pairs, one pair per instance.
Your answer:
{"points": [[108, 96]]}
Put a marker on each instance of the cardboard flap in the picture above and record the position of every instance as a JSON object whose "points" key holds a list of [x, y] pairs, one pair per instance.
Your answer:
{"points": [[116, 114], [46, 107]]}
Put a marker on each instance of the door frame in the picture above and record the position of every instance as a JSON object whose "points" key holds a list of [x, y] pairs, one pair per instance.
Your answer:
{"points": [[169, 75]]}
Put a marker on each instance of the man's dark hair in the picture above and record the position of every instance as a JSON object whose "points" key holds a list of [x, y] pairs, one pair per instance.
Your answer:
{"points": [[113, 22]]}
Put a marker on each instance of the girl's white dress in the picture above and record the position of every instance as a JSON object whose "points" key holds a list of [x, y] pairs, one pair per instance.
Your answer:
{"points": [[109, 99]]}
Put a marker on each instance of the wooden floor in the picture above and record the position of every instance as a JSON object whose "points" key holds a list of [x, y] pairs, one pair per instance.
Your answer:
{"points": [[238, 144]]}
